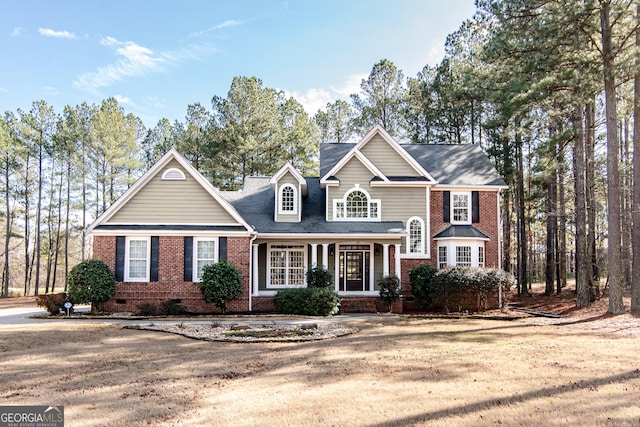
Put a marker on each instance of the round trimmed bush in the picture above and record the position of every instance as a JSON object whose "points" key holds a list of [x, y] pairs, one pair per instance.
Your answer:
{"points": [[221, 283], [91, 282]]}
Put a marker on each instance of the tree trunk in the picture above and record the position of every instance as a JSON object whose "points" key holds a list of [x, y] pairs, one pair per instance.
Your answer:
{"points": [[5, 273], [583, 261], [614, 252], [522, 234], [561, 252], [589, 149], [552, 225], [635, 279]]}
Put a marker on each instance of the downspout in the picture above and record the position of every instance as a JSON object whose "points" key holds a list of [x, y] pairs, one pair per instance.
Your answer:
{"points": [[253, 238]]}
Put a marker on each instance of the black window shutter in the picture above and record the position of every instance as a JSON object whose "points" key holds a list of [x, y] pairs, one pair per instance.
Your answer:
{"points": [[155, 250], [222, 250], [120, 244], [188, 259], [475, 206], [446, 206]]}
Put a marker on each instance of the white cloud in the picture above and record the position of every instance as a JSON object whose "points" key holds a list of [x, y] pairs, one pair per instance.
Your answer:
{"points": [[226, 24], [3, 90], [48, 32], [350, 86], [133, 61], [154, 102], [312, 100], [123, 100], [17, 31], [435, 54]]}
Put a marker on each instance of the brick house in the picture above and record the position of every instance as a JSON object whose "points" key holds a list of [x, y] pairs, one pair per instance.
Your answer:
{"points": [[378, 208]]}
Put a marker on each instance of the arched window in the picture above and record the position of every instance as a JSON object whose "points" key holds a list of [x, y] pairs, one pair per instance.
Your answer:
{"points": [[415, 240], [356, 205], [288, 199]]}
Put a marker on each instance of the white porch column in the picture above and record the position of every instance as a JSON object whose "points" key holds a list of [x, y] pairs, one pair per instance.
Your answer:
{"points": [[385, 259], [325, 256], [255, 279], [397, 259], [314, 255]]}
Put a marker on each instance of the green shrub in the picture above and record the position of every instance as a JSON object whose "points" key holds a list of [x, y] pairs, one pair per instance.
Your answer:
{"points": [[307, 301], [319, 277], [172, 308], [53, 303], [147, 309], [450, 283], [420, 279], [389, 290], [221, 283], [91, 282]]}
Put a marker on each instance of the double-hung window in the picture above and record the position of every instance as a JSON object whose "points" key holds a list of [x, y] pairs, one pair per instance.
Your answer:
{"points": [[204, 253], [461, 208], [137, 256]]}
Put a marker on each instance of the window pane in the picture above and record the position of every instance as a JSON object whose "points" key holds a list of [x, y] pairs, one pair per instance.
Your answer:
{"points": [[463, 256], [357, 205], [287, 199], [442, 257], [206, 249], [415, 236], [481, 256], [137, 249], [137, 269], [461, 207]]}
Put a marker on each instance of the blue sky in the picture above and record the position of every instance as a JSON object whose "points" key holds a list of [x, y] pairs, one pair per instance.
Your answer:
{"points": [[156, 57]]}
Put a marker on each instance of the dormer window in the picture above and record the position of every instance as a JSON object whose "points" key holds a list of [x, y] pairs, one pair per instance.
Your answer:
{"points": [[356, 205], [288, 200]]}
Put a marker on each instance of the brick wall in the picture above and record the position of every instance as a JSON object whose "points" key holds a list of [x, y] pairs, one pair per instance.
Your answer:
{"points": [[488, 224], [171, 284]]}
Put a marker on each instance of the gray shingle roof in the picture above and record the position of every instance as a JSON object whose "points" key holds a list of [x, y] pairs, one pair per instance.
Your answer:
{"points": [[449, 164], [256, 204], [461, 231]]}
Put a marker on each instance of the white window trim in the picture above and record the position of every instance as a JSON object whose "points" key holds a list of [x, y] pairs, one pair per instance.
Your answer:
{"points": [[421, 252], [451, 246], [446, 256], [371, 202], [295, 200], [469, 208], [194, 254], [173, 174], [127, 278], [303, 247]]}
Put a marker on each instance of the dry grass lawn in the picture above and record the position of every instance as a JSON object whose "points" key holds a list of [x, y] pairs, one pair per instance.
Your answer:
{"points": [[396, 371]]}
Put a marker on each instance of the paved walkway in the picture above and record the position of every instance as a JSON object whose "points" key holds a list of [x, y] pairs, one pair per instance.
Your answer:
{"points": [[25, 316]]}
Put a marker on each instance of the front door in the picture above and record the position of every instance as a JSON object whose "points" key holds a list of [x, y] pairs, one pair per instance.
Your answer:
{"points": [[354, 267]]}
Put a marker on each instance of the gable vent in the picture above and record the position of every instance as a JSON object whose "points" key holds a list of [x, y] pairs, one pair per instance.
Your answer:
{"points": [[173, 174]]}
